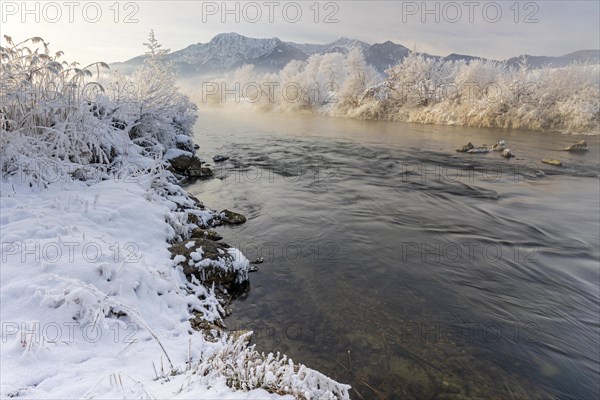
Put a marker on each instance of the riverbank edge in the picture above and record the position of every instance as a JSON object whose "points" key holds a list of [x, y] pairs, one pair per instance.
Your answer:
{"points": [[230, 283]]}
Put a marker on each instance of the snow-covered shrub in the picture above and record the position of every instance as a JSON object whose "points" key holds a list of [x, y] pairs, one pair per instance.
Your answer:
{"points": [[57, 116], [47, 113]]}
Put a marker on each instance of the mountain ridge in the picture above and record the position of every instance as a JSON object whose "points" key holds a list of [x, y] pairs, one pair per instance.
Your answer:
{"points": [[228, 51]]}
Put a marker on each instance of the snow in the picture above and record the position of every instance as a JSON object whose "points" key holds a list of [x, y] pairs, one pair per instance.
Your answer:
{"points": [[92, 304], [64, 331], [174, 153], [128, 269], [182, 138], [224, 51]]}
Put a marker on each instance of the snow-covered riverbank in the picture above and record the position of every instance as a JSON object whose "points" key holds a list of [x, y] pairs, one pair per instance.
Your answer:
{"points": [[98, 298], [93, 306], [419, 89]]}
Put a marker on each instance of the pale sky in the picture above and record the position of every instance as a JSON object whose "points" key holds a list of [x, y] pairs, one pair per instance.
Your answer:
{"points": [[90, 31]]}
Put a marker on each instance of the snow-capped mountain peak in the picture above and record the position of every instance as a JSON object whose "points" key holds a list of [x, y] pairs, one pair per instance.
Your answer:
{"points": [[227, 51]]}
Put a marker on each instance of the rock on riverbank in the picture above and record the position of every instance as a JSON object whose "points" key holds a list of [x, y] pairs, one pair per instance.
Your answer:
{"points": [[187, 164]]}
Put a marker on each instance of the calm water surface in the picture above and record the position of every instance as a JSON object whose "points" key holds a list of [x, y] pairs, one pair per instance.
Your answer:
{"points": [[408, 270]]}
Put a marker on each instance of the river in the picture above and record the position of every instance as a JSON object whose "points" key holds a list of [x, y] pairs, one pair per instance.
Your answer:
{"points": [[408, 270]]}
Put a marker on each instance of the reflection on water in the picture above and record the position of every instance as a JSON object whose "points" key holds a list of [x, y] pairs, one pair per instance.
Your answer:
{"points": [[408, 270]]}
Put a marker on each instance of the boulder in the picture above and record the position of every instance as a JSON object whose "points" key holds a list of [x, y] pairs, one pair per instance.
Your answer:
{"points": [[207, 260], [185, 163], [465, 148], [199, 233], [507, 154], [500, 146], [200, 173], [579, 146], [181, 162], [196, 170], [232, 218], [552, 161], [220, 158]]}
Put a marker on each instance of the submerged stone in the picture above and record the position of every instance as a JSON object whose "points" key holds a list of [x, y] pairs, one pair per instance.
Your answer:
{"points": [[552, 161], [479, 150]]}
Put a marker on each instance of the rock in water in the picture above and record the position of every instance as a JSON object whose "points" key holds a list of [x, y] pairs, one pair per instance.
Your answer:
{"points": [[465, 148], [219, 158], [506, 153], [188, 164], [181, 162], [579, 146], [500, 146], [478, 150], [200, 173], [209, 261], [196, 170], [229, 217], [552, 161]]}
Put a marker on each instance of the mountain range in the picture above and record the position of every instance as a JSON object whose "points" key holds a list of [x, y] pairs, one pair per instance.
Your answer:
{"points": [[228, 51]]}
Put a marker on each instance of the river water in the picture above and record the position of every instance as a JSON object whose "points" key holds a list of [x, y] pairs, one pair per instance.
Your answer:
{"points": [[405, 269]]}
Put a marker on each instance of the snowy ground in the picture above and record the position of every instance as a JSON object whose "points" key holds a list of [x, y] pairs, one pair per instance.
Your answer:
{"points": [[92, 305]]}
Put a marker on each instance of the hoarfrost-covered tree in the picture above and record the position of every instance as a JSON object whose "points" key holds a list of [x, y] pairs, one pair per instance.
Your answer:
{"points": [[154, 47], [426, 89], [160, 105], [359, 76]]}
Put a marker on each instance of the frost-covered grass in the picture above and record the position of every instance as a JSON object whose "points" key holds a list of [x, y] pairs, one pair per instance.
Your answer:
{"points": [[426, 90], [93, 304]]}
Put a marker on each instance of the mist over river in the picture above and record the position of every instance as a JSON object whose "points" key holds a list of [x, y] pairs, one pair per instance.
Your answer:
{"points": [[406, 269]]}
